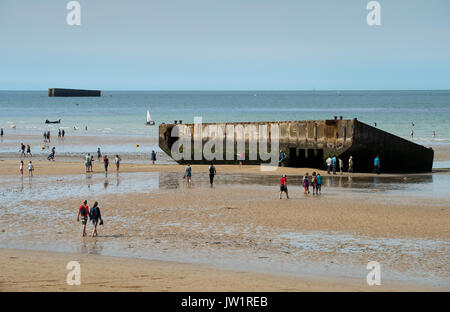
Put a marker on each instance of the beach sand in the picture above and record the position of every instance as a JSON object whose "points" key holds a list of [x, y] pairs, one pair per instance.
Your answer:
{"points": [[46, 271], [228, 237]]}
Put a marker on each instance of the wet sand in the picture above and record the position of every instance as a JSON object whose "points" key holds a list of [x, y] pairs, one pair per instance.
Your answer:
{"points": [[239, 225], [46, 271]]}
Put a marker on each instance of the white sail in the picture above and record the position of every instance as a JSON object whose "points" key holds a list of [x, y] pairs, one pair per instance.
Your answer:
{"points": [[148, 117]]}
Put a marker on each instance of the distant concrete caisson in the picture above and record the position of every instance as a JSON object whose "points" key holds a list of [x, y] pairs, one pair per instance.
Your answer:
{"points": [[72, 92], [309, 143]]}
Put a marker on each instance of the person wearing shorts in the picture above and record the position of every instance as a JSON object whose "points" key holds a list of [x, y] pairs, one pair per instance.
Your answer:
{"points": [[188, 173], [87, 162], [83, 211], [283, 186]]}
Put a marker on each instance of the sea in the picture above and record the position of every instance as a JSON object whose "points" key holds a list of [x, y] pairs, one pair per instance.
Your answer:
{"points": [[123, 113]]}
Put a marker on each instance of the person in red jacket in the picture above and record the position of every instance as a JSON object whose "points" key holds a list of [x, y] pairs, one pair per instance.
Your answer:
{"points": [[83, 211], [283, 186]]}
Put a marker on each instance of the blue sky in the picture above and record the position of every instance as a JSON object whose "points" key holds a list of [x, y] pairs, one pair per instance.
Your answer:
{"points": [[225, 45]]}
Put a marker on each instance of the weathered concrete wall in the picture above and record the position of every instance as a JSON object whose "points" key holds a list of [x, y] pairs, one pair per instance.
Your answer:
{"points": [[396, 154], [72, 92], [309, 143]]}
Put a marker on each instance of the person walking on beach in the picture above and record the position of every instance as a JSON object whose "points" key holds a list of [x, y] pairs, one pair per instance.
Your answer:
{"points": [[95, 216], [314, 182], [91, 164], [282, 158], [29, 150], [333, 164], [30, 169], [63, 133], [305, 183], [319, 184], [153, 157], [99, 154], [51, 156], [188, 173], [87, 162], [283, 186], [328, 162], [106, 163], [59, 133], [341, 165], [21, 168], [212, 172], [83, 211], [350, 164], [22, 149], [117, 161], [377, 165]]}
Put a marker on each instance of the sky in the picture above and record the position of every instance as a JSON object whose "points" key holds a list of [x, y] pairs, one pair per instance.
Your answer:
{"points": [[225, 45]]}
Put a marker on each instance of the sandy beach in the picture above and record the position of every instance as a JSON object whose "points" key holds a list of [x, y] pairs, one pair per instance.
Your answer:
{"points": [[305, 243], [46, 271]]}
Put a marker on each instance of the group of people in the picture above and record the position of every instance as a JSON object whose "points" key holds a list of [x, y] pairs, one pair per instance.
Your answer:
{"points": [[22, 150], [61, 133], [315, 181], [30, 168], [46, 136], [188, 173], [334, 162], [89, 159], [86, 214]]}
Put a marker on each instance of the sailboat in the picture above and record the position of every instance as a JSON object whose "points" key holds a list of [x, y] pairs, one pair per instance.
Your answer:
{"points": [[150, 122]]}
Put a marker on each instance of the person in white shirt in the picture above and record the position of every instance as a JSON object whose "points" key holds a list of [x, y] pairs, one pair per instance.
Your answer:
{"points": [[328, 161], [30, 169], [21, 168], [117, 159]]}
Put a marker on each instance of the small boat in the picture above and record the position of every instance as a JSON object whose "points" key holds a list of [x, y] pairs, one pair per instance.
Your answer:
{"points": [[53, 122], [150, 122]]}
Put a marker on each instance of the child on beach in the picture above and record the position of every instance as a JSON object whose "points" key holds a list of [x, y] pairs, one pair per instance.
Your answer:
{"points": [[283, 186], [21, 168], [95, 216], [241, 158], [30, 169], [153, 157], [188, 173], [305, 183], [319, 184], [83, 211], [314, 182]]}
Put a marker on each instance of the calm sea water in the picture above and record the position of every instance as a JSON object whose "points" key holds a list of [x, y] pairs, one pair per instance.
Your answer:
{"points": [[124, 113]]}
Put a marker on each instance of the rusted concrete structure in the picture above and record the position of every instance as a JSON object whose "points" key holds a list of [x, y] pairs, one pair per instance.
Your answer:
{"points": [[72, 92], [309, 143]]}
